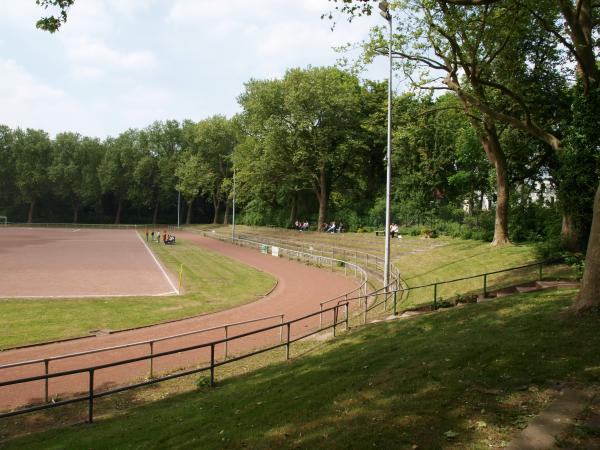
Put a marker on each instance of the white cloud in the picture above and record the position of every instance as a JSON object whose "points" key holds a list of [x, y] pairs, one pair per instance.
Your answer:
{"points": [[94, 55]]}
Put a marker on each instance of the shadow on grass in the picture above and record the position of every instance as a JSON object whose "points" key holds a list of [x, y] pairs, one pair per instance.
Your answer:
{"points": [[468, 377]]}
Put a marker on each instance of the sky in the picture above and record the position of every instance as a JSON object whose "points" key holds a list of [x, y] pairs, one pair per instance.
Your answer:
{"points": [[119, 64]]}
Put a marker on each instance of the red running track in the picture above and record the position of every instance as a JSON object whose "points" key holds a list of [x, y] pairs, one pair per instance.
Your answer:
{"points": [[300, 290]]}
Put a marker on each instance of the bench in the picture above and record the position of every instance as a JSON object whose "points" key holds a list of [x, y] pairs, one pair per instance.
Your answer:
{"points": [[380, 233]]}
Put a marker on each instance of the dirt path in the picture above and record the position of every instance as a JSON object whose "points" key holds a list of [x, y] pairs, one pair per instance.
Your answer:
{"points": [[300, 290]]}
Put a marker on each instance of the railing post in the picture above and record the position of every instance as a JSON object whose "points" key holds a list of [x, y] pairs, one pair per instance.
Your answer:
{"points": [[212, 365], [91, 397], [321, 317], [281, 330], [540, 273], [287, 344], [151, 359], [226, 341], [484, 285], [46, 370], [347, 325], [435, 296], [395, 303], [335, 317]]}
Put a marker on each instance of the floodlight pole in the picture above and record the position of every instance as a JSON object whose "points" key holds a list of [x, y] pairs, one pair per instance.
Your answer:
{"points": [[385, 13], [233, 215]]}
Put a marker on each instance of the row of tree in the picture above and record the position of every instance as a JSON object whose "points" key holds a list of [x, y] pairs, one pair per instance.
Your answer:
{"points": [[140, 169], [308, 146]]}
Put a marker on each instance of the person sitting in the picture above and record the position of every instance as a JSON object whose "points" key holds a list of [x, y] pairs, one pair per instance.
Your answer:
{"points": [[170, 240], [331, 228]]}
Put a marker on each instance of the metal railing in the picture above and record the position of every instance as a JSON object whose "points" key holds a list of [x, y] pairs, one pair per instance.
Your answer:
{"points": [[92, 394], [150, 342], [484, 276], [367, 260]]}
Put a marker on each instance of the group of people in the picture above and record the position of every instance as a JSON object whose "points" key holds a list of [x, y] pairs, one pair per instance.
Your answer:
{"points": [[301, 226], [333, 228], [155, 236]]}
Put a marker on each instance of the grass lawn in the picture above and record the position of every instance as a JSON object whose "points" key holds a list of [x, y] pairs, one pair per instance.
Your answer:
{"points": [[211, 282], [466, 378]]}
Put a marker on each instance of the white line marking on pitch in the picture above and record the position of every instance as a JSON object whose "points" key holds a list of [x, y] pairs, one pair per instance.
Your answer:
{"points": [[78, 229], [158, 263], [98, 296]]}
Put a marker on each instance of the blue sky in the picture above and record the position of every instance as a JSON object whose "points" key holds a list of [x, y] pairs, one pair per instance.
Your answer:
{"points": [[118, 64]]}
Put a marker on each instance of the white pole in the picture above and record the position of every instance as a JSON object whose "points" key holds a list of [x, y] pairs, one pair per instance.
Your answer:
{"points": [[388, 184], [233, 215]]}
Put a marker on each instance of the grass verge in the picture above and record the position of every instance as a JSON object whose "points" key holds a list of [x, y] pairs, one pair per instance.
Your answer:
{"points": [[465, 378], [211, 282]]}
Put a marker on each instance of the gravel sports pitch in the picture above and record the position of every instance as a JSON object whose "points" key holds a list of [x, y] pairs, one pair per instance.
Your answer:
{"points": [[63, 263]]}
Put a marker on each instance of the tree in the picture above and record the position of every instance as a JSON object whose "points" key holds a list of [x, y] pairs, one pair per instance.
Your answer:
{"points": [[73, 170], [310, 132], [33, 155], [576, 36], [190, 174], [7, 169], [117, 167], [215, 139]]}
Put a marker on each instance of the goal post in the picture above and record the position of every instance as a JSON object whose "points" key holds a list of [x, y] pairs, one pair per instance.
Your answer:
{"points": [[3, 220]]}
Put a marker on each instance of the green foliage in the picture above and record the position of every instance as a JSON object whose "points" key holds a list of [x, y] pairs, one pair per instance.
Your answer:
{"points": [[54, 22]]}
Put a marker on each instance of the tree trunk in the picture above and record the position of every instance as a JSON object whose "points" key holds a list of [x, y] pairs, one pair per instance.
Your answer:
{"points": [[494, 152], [568, 233], [226, 216], [155, 214], [294, 210], [119, 209], [323, 198], [30, 213], [589, 294], [216, 204], [188, 218], [75, 211]]}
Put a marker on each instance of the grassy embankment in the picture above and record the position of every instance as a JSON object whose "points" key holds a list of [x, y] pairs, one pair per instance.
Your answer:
{"points": [[466, 378], [424, 261], [211, 282]]}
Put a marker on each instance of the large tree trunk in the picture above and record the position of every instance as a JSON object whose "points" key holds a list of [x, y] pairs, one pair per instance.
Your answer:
{"points": [[188, 218], [155, 214], [226, 217], [568, 233], [75, 211], [323, 198], [30, 213], [589, 295], [494, 152], [216, 204], [119, 209]]}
